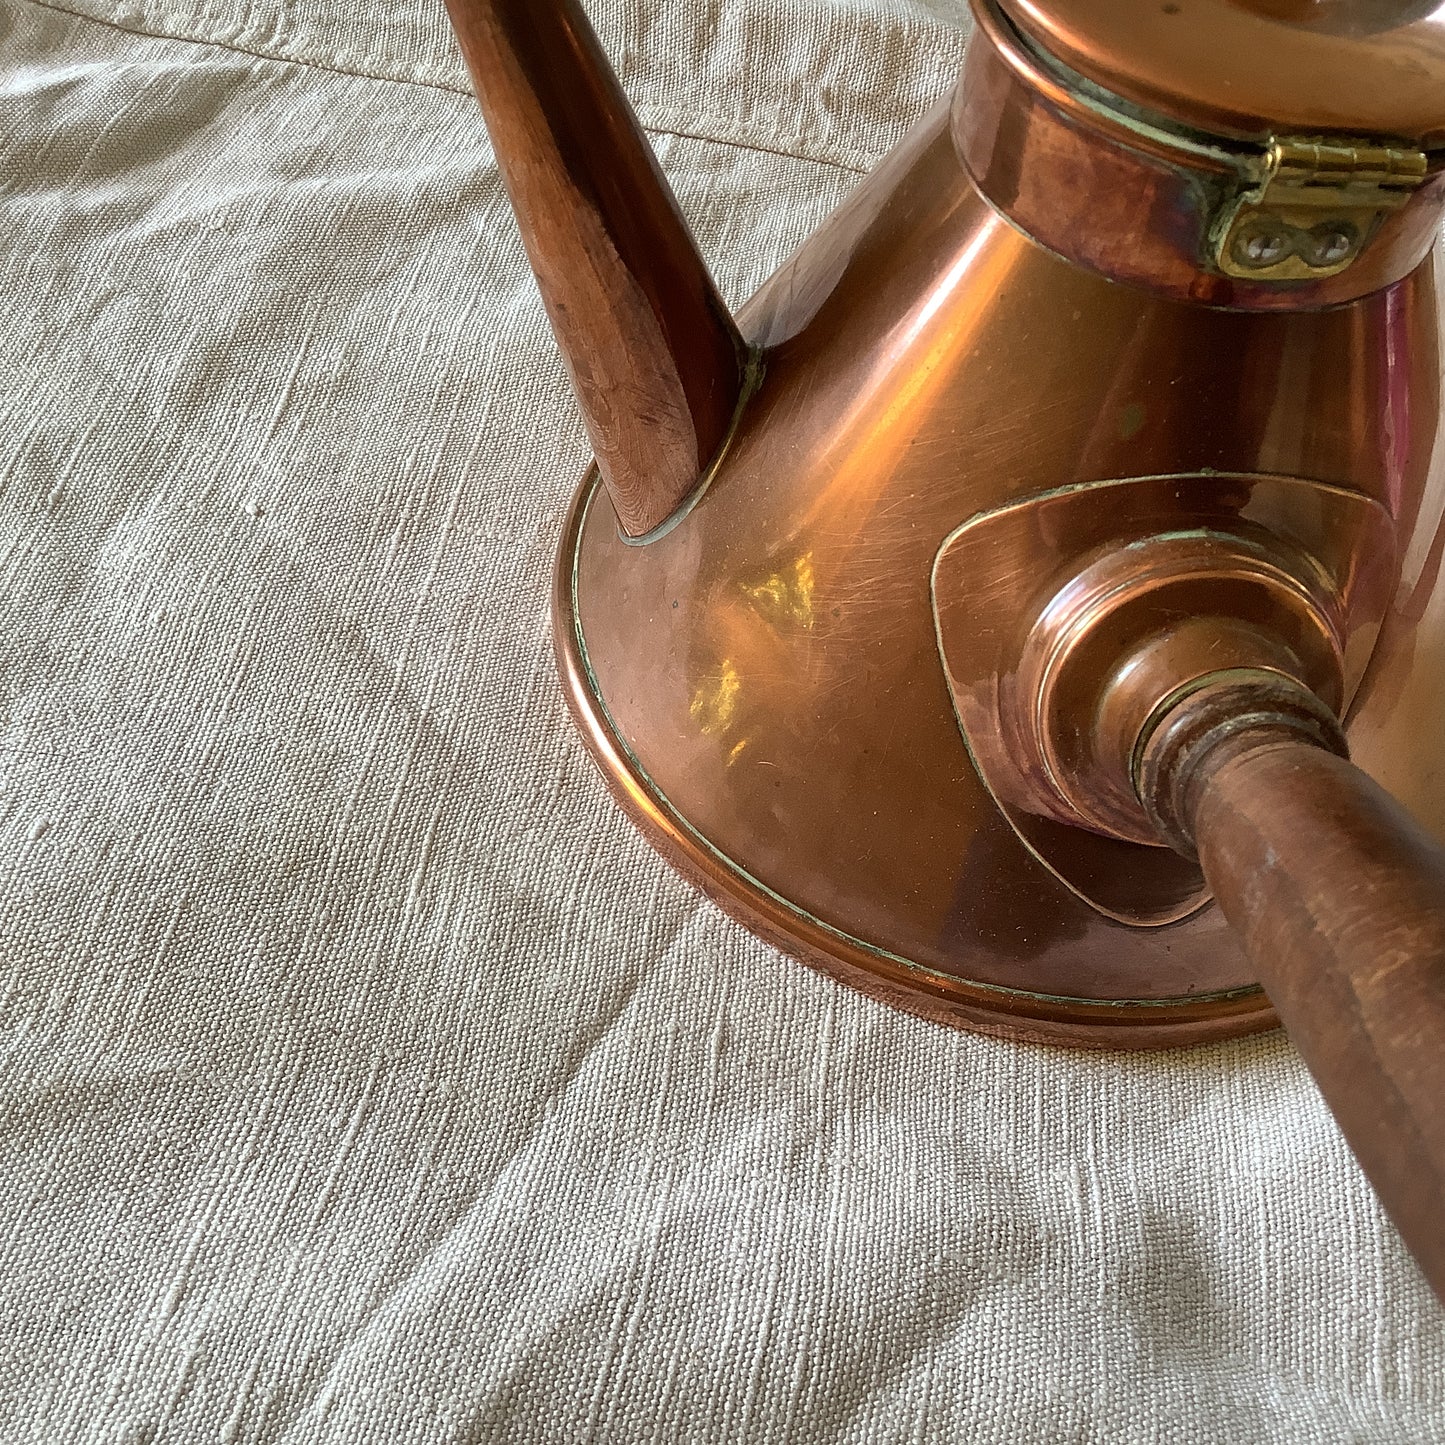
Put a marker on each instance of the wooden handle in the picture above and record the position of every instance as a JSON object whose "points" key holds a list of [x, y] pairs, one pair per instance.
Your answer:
{"points": [[656, 359], [1339, 897]]}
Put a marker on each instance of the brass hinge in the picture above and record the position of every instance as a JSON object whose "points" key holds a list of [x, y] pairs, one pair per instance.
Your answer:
{"points": [[1312, 206]]}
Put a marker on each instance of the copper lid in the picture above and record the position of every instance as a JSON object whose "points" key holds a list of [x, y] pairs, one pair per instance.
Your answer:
{"points": [[1253, 68]]}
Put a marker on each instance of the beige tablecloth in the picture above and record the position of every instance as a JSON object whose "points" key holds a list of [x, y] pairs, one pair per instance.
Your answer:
{"points": [[365, 1077]]}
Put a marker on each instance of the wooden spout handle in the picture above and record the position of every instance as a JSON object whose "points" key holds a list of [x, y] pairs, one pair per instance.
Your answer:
{"points": [[1339, 897]]}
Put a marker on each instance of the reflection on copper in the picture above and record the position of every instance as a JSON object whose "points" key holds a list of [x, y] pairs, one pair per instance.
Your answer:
{"points": [[911, 363], [1251, 67], [785, 596], [715, 699]]}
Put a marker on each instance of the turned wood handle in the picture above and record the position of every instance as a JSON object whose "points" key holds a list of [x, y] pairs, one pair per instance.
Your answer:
{"points": [[1339, 897]]}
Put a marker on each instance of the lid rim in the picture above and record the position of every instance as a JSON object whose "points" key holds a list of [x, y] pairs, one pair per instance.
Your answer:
{"points": [[1228, 71]]}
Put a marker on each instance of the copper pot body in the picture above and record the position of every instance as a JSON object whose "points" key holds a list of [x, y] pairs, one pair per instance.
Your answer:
{"points": [[761, 679]]}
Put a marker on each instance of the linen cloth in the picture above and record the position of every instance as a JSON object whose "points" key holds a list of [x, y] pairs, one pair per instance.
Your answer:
{"points": [[366, 1079]]}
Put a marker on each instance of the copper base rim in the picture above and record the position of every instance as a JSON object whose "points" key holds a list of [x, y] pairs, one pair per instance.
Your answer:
{"points": [[923, 992]]}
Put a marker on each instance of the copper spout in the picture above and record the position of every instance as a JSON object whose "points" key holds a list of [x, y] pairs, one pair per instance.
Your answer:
{"points": [[655, 358]]}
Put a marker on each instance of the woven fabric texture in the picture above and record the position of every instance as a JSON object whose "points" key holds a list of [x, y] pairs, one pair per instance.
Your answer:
{"points": [[365, 1078]]}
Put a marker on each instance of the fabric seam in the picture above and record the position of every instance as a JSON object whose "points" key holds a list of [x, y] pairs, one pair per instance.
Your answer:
{"points": [[360, 74]]}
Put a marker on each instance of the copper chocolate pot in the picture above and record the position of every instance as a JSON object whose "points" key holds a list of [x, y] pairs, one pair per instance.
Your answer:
{"points": [[988, 613]]}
